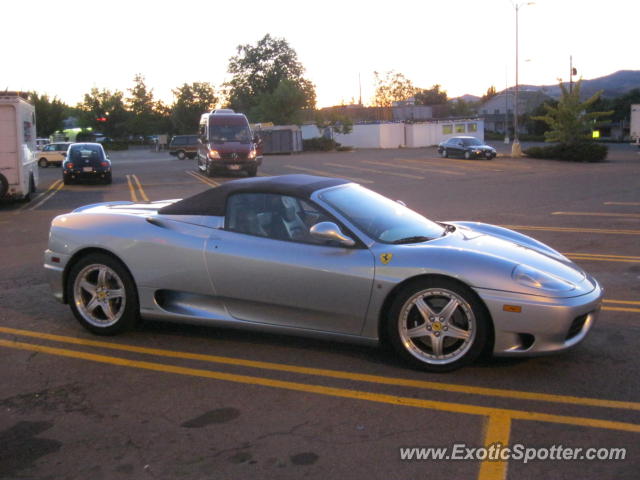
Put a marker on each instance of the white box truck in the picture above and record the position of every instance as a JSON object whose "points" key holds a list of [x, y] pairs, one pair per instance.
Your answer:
{"points": [[634, 127], [18, 168]]}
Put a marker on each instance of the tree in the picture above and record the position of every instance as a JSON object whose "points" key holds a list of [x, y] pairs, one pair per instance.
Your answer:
{"points": [[431, 96], [336, 122], [491, 92], [104, 111], [570, 121], [50, 113], [191, 101], [142, 108], [393, 87], [258, 71], [283, 106], [461, 108]]}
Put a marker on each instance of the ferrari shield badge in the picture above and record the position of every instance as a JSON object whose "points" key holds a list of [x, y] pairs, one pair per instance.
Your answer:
{"points": [[386, 257]]}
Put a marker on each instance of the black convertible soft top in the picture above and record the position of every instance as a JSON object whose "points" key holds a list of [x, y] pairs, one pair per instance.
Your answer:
{"points": [[214, 200]]}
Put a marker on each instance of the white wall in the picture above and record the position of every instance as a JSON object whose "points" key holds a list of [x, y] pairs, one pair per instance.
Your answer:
{"points": [[432, 133], [383, 135]]}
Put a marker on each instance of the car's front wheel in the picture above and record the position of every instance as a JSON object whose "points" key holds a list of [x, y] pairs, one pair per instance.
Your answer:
{"points": [[444, 153], [438, 324], [467, 155], [252, 171], [102, 294]]}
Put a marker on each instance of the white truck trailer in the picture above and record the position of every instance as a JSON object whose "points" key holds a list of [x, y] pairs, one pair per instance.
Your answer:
{"points": [[18, 168], [634, 127]]}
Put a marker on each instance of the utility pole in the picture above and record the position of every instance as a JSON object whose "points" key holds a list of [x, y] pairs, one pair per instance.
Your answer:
{"points": [[360, 89], [516, 151], [572, 72]]}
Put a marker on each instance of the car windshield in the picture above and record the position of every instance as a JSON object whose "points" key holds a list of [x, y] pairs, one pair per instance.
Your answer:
{"points": [[230, 133], [380, 218], [470, 142]]}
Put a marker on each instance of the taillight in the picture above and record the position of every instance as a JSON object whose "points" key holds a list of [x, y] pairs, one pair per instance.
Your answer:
{"points": [[104, 164], [69, 165]]}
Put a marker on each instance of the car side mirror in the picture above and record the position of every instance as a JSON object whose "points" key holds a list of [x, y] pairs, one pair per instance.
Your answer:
{"points": [[329, 231]]}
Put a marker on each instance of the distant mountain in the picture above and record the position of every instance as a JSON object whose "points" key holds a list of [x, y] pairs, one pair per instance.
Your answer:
{"points": [[614, 85], [466, 98]]}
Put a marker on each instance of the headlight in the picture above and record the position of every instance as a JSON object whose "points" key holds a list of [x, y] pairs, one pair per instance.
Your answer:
{"points": [[534, 278], [214, 154], [252, 155]]}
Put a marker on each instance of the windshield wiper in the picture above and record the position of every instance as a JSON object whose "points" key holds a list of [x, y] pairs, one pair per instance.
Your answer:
{"points": [[415, 239]]}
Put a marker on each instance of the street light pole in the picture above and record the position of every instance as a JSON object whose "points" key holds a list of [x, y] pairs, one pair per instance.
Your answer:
{"points": [[516, 151]]}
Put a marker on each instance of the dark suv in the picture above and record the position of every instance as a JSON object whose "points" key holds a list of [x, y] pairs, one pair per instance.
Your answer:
{"points": [[183, 146]]}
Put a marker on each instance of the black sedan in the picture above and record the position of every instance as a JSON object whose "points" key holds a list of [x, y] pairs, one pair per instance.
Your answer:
{"points": [[86, 161], [467, 147]]}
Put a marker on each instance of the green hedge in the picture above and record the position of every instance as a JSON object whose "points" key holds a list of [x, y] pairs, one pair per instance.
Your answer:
{"points": [[320, 144], [582, 152]]}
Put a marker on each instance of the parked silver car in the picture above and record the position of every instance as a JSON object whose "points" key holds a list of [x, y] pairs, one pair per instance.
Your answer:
{"points": [[320, 257]]}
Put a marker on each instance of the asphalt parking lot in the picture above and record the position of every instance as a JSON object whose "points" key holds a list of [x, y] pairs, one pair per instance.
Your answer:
{"points": [[174, 401]]}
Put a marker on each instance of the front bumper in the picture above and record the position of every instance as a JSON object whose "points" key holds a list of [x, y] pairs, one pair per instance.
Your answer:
{"points": [[544, 325], [54, 265]]}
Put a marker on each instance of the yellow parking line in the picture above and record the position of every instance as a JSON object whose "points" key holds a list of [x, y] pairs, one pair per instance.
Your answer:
{"points": [[453, 163], [39, 195], [416, 168], [624, 302], [573, 230], [140, 189], [602, 258], [633, 204], [599, 214], [360, 377], [132, 190], [331, 391], [51, 191], [497, 430], [604, 255], [327, 174], [621, 309], [373, 170], [202, 178]]}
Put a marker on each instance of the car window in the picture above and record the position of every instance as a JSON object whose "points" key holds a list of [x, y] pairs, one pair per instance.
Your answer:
{"points": [[85, 152], [48, 148], [279, 217]]}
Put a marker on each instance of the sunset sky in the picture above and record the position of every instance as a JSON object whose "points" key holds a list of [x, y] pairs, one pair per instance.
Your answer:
{"points": [[65, 48]]}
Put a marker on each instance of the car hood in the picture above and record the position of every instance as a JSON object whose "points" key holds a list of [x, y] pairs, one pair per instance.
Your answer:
{"points": [[486, 257]]}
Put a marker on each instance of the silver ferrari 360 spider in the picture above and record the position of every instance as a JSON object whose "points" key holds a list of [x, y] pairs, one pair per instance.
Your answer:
{"points": [[320, 257]]}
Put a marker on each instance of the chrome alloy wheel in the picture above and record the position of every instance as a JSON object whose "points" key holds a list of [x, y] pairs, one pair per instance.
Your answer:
{"points": [[437, 326], [99, 295]]}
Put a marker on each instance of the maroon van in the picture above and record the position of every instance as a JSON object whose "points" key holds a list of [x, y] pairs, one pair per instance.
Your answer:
{"points": [[227, 144]]}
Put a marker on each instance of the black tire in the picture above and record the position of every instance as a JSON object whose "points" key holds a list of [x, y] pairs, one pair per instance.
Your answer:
{"points": [[467, 155], [66, 179], [116, 278], [108, 179], [253, 171], [208, 170], [43, 163], [444, 153], [181, 155], [468, 316], [4, 186]]}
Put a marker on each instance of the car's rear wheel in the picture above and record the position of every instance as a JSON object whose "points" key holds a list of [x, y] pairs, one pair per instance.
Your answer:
{"points": [[66, 179], [108, 179], [43, 163], [438, 324], [444, 153], [181, 155], [102, 295]]}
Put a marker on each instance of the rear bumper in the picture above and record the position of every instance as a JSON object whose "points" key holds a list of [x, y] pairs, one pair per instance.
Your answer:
{"points": [[94, 175], [544, 325]]}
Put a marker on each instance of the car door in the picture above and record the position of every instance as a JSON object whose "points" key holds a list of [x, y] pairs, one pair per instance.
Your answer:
{"points": [[269, 274]]}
